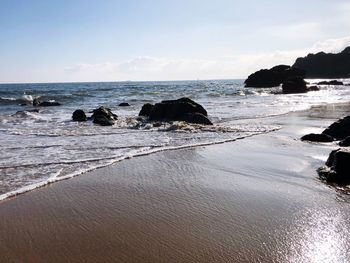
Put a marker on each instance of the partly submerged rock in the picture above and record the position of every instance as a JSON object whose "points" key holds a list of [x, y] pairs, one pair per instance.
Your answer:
{"points": [[183, 109], [38, 103], [104, 116], [345, 142], [294, 85], [146, 110], [272, 77], [340, 129], [332, 82], [337, 169], [312, 137], [79, 115], [103, 120], [198, 118], [124, 104], [313, 88]]}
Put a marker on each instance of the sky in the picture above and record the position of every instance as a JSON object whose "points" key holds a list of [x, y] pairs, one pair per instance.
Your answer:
{"points": [[113, 40]]}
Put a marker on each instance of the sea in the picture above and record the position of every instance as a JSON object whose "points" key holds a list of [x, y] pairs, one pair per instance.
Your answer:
{"points": [[39, 146]]}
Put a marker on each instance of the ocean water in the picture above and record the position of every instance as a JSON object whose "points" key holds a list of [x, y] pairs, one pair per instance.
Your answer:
{"points": [[42, 147]]}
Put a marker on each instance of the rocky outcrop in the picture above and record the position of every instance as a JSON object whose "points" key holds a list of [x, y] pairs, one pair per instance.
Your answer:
{"points": [[339, 130], [38, 103], [104, 116], [337, 169], [325, 65], [331, 82], [79, 115], [273, 77], [146, 110], [183, 109], [294, 85], [312, 137], [124, 104]]}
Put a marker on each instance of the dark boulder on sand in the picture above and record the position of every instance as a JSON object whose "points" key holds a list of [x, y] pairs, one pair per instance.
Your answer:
{"points": [[340, 129], [337, 169], [124, 104], [38, 103], [79, 115], [183, 109], [312, 137], [104, 116], [273, 77], [146, 110], [332, 82], [325, 65], [294, 85]]}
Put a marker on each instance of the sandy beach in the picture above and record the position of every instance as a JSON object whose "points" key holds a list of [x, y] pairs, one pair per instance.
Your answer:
{"points": [[252, 200]]}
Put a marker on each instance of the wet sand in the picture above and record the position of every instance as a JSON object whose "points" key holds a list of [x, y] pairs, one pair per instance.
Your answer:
{"points": [[253, 200]]}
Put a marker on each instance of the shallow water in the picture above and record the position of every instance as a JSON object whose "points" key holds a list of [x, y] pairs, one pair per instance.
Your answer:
{"points": [[38, 148]]}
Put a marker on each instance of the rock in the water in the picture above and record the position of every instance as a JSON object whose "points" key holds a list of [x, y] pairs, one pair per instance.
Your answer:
{"points": [[337, 168], [183, 109], [79, 115], [146, 110], [272, 77], [332, 82], [340, 129], [38, 103], [294, 85], [313, 88], [312, 137], [103, 120], [104, 116], [326, 65], [198, 118], [345, 142], [124, 104]]}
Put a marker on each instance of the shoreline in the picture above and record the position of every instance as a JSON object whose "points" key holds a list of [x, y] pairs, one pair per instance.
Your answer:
{"points": [[257, 199]]}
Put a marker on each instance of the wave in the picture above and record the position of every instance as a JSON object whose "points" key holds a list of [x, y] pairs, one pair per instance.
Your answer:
{"points": [[24, 99], [114, 159]]}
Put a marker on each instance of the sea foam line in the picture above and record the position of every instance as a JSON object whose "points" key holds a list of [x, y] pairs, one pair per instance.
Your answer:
{"points": [[56, 178]]}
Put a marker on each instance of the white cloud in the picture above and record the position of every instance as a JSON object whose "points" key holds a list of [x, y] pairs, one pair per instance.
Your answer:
{"points": [[152, 68]]}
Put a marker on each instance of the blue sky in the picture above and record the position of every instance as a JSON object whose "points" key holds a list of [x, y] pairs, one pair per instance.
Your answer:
{"points": [[76, 40]]}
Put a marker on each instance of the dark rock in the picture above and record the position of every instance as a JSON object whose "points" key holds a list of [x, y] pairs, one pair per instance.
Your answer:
{"points": [[332, 82], [124, 104], [79, 115], [312, 137], [157, 124], [294, 85], [340, 129], [25, 112], [337, 168], [325, 65], [146, 110], [272, 77], [103, 116], [197, 118], [23, 104], [103, 120], [345, 142], [313, 88], [38, 103], [178, 110]]}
